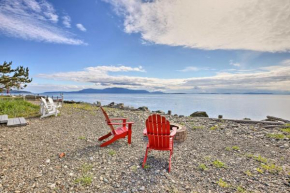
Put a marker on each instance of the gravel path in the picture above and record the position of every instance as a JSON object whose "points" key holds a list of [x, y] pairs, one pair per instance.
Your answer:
{"points": [[217, 156]]}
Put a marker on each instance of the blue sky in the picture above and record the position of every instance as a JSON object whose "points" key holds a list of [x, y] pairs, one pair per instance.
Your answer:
{"points": [[168, 45]]}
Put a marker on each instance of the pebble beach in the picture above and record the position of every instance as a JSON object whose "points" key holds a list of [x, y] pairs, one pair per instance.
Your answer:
{"points": [[62, 154]]}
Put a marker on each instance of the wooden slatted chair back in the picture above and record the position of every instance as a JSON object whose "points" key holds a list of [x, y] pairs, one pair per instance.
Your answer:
{"points": [[158, 131], [108, 120], [44, 103]]}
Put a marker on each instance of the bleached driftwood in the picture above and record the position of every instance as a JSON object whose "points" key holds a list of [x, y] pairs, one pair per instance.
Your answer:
{"points": [[247, 121], [272, 118]]}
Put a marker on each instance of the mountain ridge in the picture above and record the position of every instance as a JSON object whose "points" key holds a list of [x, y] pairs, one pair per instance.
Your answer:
{"points": [[113, 90]]}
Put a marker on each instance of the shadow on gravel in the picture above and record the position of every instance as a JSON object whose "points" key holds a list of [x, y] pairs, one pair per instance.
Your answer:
{"points": [[154, 162]]}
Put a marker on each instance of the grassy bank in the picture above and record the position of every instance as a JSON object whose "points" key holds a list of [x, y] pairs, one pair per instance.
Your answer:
{"points": [[17, 108]]}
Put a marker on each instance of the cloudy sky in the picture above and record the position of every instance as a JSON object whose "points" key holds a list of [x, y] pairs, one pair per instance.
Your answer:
{"points": [[193, 46]]}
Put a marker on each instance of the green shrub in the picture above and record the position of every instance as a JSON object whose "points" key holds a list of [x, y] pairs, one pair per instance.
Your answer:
{"points": [[86, 168], [218, 164], [271, 168], [260, 159], [112, 152], [286, 130], [240, 189], [84, 180], [223, 184], [202, 167], [228, 149], [134, 168], [248, 173], [260, 170], [249, 155], [235, 148], [146, 166], [82, 138], [276, 136], [197, 127]]}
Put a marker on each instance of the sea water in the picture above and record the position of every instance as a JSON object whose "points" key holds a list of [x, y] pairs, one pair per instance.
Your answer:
{"points": [[236, 106]]}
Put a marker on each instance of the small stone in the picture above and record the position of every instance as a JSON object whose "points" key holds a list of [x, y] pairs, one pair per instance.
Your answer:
{"points": [[47, 161], [71, 174], [142, 188], [38, 175], [51, 185]]}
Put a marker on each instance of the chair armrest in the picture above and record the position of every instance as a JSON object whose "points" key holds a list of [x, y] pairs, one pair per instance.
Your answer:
{"points": [[119, 119], [174, 129], [129, 123]]}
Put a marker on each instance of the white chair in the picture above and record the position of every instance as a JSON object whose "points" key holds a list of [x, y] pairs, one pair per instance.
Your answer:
{"points": [[51, 103], [47, 110]]}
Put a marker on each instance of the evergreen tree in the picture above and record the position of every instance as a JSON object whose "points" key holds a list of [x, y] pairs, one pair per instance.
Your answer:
{"points": [[13, 78]]}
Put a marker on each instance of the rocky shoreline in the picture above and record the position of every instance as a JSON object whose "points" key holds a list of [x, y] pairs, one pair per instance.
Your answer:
{"points": [[218, 155]]}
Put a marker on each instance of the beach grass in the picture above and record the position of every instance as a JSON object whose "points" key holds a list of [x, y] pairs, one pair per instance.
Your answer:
{"points": [[17, 107]]}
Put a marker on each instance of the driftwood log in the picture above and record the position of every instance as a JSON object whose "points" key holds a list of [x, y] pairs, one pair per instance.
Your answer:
{"points": [[272, 118], [247, 121], [272, 126]]}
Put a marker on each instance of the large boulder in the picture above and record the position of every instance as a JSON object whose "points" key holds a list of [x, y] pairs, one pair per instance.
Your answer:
{"points": [[98, 104], [111, 104], [120, 105], [158, 112], [199, 114], [143, 108]]}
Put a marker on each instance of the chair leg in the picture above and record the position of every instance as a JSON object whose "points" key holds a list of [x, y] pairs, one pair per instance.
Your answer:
{"points": [[171, 152], [129, 136], [105, 136], [145, 158], [109, 142]]}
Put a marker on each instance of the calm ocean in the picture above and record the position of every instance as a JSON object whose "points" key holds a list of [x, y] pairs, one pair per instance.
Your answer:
{"points": [[238, 106]]}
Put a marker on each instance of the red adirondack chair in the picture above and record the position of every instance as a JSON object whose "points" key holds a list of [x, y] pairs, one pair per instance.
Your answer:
{"points": [[120, 132], [159, 136]]}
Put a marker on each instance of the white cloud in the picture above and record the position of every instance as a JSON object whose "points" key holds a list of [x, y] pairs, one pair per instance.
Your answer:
{"points": [[104, 69], [232, 63], [81, 27], [66, 21], [209, 24], [193, 68], [275, 78], [39, 88], [189, 68], [33, 20]]}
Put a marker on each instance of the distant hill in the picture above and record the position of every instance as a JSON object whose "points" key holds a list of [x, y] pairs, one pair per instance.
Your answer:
{"points": [[112, 91], [16, 91]]}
